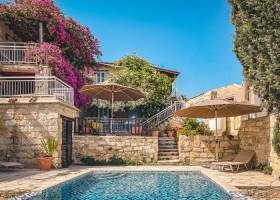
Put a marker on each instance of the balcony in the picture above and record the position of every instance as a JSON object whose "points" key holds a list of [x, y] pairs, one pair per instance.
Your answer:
{"points": [[12, 53], [101, 126], [36, 86]]}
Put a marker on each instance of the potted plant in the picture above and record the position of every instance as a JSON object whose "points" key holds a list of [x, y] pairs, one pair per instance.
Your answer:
{"points": [[155, 131], [170, 131], [49, 146]]}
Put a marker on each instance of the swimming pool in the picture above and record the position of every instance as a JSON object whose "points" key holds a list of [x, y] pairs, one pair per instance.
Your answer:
{"points": [[137, 186]]}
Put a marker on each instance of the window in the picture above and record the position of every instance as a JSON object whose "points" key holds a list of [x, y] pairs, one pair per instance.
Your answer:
{"points": [[100, 76]]}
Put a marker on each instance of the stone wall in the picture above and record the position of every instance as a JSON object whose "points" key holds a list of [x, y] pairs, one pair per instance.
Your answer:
{"points": [[274, 159], [254, 135], [137, 148], [195, 149], [23, 125]]}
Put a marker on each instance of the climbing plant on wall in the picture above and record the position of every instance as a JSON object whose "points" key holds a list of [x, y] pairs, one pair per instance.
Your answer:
{"points": [[71, 44], [276, 137], [257, 46]]}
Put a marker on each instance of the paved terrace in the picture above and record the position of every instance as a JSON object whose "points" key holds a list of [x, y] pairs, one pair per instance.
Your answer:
{"points": [[35, 180]]}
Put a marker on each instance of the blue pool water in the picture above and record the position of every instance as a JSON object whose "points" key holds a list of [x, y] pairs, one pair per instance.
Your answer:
{"points": [[138, 186]]}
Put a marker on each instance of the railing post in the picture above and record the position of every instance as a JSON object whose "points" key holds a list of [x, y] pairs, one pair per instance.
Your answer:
{"points": [[14, 54]]}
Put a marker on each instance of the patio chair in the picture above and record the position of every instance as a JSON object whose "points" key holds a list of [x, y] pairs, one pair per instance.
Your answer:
{"points": [[208, 163], [10, 165], [242, 159]]}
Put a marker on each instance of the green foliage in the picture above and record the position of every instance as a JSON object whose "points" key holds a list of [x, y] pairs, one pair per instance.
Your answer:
{"points": [[49, 146], [257, 46], [192, 127], [276, 137], [268, 170], [138, 73], [90, 161], [9, 194], [169, 127]]}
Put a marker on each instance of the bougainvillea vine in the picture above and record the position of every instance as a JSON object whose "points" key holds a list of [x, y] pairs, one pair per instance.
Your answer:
{"points": [[60, 68], [72, 49]]}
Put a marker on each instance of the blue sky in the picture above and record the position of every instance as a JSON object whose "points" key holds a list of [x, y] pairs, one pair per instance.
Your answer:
{"points": [[194, 37]]}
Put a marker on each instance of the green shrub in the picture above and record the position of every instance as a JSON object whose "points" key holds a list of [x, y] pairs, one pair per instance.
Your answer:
{"points": [[116, 161], [192, 127], [9, 194], [169, 127], [268, 170], [90, 161], [276, 137]]}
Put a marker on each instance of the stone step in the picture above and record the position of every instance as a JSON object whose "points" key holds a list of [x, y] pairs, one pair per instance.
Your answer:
{"points": [[169, 162], [168, 154], [167, 142], [168, 157], [168, 150], [166, 138], [168, 147]]}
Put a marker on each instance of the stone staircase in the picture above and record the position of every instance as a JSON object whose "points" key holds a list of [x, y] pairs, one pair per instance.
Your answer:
{"points": [[168, 150]]}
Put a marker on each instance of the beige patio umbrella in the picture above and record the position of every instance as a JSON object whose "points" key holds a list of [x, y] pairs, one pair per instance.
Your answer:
{"points": [[217, 108], [111, 92]]}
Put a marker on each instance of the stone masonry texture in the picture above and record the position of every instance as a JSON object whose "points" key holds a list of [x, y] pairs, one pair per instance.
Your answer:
{"points": [[136, 148], [23, 126]]}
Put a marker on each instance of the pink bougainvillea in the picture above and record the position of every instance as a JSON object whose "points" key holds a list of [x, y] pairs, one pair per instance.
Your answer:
{"points": [[52, 55], [72, 48]]}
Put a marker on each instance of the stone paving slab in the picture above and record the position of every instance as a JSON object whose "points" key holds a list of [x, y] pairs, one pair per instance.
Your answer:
{"points": [[35, 180]]}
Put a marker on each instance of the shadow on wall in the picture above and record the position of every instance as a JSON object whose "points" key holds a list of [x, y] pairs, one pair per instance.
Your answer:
{"points": [[200, 148], [254, 135], [22, 130]]}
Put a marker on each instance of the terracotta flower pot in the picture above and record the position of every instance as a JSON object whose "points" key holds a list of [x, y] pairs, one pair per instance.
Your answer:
{"points": [[44, 163], [155, 133], [87, 131], [171, 134], [137, 130]]}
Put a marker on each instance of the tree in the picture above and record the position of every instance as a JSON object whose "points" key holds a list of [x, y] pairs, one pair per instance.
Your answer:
{"points": [[138, 73], [257, 46]]}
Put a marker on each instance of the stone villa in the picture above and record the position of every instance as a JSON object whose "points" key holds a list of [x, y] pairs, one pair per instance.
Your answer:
{"points": [[34, 105]]}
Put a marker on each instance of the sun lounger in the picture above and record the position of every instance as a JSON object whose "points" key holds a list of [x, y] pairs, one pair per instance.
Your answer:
{"points": [[10, 165], [242, 159], [208, 164]]}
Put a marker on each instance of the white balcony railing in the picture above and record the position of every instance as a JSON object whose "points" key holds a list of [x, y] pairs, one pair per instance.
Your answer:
{"points": [[18, 53], [41, 86]]}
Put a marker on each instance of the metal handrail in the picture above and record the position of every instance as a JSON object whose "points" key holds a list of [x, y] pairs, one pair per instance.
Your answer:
{"points": [[26, 86], [163, 115], [17, 53]]}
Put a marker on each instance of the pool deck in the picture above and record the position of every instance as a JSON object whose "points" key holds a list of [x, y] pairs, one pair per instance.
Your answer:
{"points": [[27, 180]]}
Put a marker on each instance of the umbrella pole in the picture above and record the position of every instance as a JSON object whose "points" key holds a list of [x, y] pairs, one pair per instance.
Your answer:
{"points": [[216, 136], [112, 113]]}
